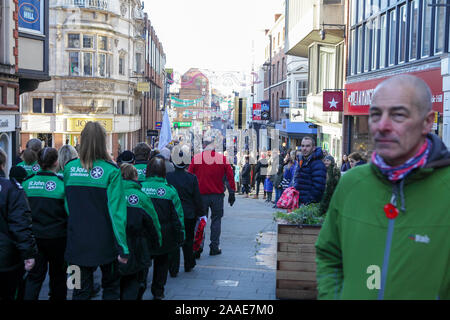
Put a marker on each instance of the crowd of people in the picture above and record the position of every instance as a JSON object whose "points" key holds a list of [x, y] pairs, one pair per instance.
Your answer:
{"points": [[80, 208]]}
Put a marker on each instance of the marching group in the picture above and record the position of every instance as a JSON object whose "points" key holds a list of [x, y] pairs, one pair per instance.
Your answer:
{"points": [[78, 208]]}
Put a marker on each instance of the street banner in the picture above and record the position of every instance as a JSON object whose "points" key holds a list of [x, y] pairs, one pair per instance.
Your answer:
{"points": [[284, 103], [333, 101], [165, 136], [265, 110], [256, 111]]}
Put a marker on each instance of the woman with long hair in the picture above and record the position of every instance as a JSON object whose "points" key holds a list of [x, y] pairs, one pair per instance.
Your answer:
{"points": [[96, 233], [45, 192], [171, 217], [30, 163]]}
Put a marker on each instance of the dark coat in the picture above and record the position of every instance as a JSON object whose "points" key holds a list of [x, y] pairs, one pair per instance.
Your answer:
{"points": [[188, 190], [17, 242], [245, 179], [261, 169], [310, 177]]}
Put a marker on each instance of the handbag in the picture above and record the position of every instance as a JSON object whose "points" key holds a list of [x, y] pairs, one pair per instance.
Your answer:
{"points": [[289, 199]]}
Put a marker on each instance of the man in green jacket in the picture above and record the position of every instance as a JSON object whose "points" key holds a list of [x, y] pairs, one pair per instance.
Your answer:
{"points": [[386, 234]]}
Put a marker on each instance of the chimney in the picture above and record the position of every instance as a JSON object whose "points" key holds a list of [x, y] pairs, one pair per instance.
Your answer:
{"points": [[277, 16]]}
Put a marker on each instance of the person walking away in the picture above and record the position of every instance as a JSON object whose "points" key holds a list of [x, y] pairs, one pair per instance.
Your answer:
{"points": [[29, 156], [143, 235], [142, 155], [45, 192], [311, 174], [188, 190], [246, 176], [17, 243], [165, 152], [126, 157], [94, 197], [171, 217], [260, 174], [385, 214], [210, 167]]}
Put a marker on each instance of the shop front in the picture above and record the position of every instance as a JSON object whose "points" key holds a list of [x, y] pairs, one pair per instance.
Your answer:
{"points": [[356, 109], [7, 132], [292, 133]]}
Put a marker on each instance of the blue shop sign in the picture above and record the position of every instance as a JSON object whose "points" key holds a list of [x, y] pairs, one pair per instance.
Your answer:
{"points": [[284, 103], [30, 15]]}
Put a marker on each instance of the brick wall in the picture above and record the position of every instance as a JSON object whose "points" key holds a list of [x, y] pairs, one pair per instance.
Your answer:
{"points": [[58, 140]]}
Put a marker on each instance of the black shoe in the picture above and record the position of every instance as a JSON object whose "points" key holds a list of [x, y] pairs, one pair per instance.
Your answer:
{"points": [[173, 275], [159, 297], [214, 252], [197, 254], [188, 269]]}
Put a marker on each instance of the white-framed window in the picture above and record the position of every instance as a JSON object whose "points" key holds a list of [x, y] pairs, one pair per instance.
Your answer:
{"points": [[86, 58], [327, 61], [439, 27], [426, 28], [383, 31], [122, 65], [375, 36], [392, 36], [302, 93], [138, 62], [414, 31], [367, 40], [402, 34], [42, 105]]}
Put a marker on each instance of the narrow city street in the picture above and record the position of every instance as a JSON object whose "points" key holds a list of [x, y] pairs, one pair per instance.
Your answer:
{"points": [[244, 270]]}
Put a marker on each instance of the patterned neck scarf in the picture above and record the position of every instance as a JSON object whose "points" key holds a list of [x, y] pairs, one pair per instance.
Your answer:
{"points": [[398, 173]]}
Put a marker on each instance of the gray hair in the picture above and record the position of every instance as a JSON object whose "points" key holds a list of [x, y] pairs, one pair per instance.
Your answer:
{"points": [[34, 144], [65, 154]]}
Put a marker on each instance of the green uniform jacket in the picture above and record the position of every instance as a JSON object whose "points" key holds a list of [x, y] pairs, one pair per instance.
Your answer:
{"points": [[31, 169], [143, 229], [170, 212], [141, 167], [361, 254], [45, 192], [96, 230]]}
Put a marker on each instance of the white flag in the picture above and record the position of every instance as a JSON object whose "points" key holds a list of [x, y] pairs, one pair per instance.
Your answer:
{"points": [[165, 135]]}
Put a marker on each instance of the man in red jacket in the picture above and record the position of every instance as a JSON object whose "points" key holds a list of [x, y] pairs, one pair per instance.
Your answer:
{"points": [[211, 168]]}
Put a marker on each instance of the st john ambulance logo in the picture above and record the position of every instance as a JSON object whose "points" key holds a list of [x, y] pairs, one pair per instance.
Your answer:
{"points": [[161, 192], [50, 186], [36, 168], [133, 199], [97, 173]]}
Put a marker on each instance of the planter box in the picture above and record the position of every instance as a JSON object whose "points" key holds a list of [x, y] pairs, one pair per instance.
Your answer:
{"points": [[296, 261]]}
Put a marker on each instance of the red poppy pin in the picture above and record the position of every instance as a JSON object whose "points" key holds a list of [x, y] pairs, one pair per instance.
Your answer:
{"points": [[391, 211]]}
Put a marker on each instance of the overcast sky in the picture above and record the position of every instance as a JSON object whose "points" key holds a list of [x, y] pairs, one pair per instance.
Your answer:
{"points": [[210, 34]]}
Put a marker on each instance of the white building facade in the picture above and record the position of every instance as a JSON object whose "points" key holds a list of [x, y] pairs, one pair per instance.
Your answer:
{"points": [[96, 57]]}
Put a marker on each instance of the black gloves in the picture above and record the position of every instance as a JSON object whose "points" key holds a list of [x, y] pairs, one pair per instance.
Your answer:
{"points": [[231, 198]]}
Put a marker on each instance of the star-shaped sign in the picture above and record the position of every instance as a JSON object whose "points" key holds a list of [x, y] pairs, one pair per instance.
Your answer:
{"points": [[333, 103]]}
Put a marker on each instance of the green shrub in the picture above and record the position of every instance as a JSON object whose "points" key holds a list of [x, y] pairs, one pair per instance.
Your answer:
{"points": [[308, 215]]}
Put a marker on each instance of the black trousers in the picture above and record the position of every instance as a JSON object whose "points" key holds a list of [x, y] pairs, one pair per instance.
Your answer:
{"points": [[215, 202], [130, 286], [188, 252], [110, 282], [258, 182], [160, 270], [50, 257], [10, 283]]}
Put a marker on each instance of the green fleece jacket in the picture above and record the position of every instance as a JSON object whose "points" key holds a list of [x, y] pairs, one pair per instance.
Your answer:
{"points": [[361, 254]]}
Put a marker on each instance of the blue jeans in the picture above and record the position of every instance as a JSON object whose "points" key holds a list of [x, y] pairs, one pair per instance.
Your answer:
{"points": [[278, 193]]}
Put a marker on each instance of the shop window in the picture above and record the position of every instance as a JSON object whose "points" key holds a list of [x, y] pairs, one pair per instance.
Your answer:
{"points": [[414, 31]]}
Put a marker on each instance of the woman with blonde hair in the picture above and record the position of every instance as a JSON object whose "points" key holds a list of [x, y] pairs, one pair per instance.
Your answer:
{"points": [[65, 154], [96, 230]]}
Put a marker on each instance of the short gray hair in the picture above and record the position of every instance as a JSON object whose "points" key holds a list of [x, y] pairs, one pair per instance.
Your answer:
{"points": [[34, 144], [65, 154]]}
